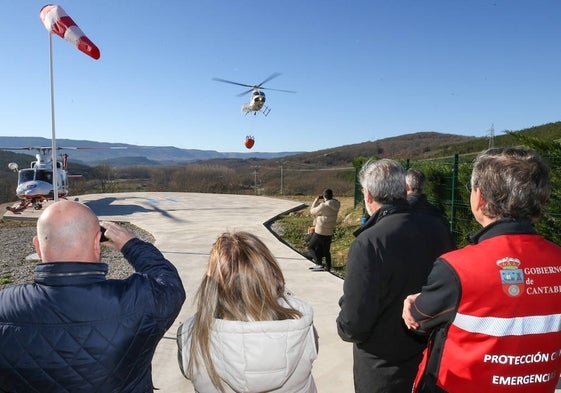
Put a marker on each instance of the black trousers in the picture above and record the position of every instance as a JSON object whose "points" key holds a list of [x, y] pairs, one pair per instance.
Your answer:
{"points": [[375, 375], [320, 247]]}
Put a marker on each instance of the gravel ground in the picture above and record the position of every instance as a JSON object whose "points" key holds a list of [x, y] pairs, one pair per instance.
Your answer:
{"points": [[18, 258]]}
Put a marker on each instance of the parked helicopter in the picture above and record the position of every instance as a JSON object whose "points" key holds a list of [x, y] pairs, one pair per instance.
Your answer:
{"points": [[35, 184], [257, 101]]}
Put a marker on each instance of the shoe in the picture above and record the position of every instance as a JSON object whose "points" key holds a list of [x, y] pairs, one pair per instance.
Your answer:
{"points": [[309, 256], [319, 268]]}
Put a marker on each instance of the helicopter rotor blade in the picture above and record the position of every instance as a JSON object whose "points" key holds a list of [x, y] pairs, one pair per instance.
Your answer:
{"points": [[284, 91], [232, 83], [245, 92], [254, 87], [273, 76], [28, 148]]}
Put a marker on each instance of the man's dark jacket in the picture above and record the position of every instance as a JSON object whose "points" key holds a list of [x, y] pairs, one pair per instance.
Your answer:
{"points": [[389, 260], [419, 203], [73, 330]]}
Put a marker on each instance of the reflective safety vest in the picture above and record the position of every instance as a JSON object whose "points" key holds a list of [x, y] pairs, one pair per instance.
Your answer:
{"points": [[506, 335]]}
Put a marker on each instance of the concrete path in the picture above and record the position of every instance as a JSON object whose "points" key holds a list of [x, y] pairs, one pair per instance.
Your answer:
{"points": [[185, 225]]}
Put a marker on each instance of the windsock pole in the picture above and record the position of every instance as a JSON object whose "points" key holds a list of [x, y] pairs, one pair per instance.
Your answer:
{"points": [[53, 128], [57, 21]]}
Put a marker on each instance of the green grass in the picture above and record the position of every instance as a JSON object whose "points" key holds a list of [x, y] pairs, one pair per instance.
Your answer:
{"points": [[5, 280]]}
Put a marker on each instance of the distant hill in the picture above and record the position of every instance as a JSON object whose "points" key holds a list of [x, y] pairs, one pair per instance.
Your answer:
{"points": [[121, 154], [419, 145], [404, 146]]}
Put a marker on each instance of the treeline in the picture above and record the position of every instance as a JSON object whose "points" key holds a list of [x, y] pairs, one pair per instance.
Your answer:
{"points": [[447, 177], [257, 179]]}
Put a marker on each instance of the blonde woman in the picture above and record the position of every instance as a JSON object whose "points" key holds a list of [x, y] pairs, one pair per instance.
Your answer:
{"points": [[248, 334]]}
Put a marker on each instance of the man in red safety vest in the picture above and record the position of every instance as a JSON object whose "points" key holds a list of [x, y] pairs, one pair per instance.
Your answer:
{"points": [[493, 308]]}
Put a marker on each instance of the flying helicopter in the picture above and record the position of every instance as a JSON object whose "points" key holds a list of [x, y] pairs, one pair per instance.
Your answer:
{"points": [[257, 101], [35, 184]]}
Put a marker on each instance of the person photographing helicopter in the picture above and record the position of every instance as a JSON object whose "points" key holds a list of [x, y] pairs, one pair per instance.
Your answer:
{"points": [[74, 330], [325, 209]]}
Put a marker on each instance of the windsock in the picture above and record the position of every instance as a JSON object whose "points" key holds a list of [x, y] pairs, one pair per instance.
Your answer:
{"points": [[57, 21]]}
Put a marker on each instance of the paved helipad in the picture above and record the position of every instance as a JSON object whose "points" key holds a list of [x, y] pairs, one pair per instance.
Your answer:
{"points": [[185, 225]]}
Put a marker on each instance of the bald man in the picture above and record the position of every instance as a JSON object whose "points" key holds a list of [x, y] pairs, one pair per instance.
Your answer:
{"points": [[73, 330]]}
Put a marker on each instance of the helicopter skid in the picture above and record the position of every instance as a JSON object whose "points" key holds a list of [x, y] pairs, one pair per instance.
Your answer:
{"points": [[21, 206], [263, 110]]}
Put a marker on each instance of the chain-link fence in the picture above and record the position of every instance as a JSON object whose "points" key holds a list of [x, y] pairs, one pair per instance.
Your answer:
{"points": [[446, 180]]}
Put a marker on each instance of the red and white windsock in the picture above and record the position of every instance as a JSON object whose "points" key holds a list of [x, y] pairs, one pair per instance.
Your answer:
{"points": [[57, 21]]}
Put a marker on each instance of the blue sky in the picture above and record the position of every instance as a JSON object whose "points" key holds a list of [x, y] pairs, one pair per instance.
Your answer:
{"points": [[363, 70]]}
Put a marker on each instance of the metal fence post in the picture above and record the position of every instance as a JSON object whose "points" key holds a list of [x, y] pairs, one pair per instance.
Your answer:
{"points": [[453, 194]]}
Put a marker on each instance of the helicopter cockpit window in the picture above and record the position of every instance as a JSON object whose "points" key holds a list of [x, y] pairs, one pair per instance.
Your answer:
{"points": [[46, 176], [26, 175]]}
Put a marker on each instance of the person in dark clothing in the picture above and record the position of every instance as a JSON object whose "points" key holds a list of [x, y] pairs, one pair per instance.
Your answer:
{"points": [[394, 251], [492, 308], [415, 181], [73, 330]]}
